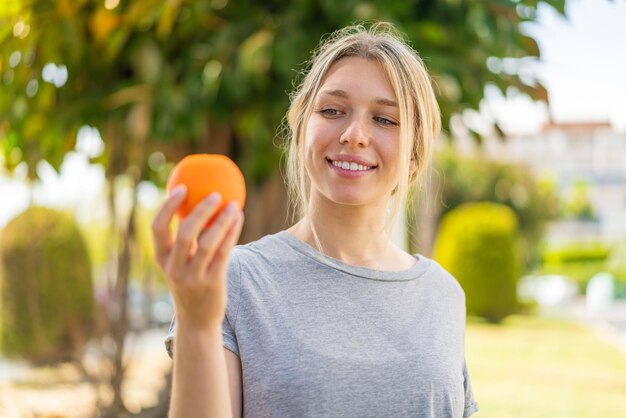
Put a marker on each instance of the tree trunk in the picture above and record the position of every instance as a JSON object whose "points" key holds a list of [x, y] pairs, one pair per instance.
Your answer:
{"points": [[427, 214], [266, 209], [120, 325], [126, 158]]}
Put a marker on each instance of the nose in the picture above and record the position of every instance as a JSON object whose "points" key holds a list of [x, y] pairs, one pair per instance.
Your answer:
{"points": [[356, 132]]}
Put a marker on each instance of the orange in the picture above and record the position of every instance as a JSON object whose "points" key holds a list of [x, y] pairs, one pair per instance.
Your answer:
{"points": [[204, 174]]}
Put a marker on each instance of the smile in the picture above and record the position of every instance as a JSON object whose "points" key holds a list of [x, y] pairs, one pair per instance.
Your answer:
{"points": [[350, 166]]}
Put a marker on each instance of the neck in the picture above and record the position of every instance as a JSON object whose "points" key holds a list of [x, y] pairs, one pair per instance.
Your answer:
{"points": [[353, 234]]}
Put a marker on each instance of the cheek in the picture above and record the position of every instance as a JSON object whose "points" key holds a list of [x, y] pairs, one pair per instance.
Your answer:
{"points": [[308, 152], [392, 156], [390, 149], [317, 138]]}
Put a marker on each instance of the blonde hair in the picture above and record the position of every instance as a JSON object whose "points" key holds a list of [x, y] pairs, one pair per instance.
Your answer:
{"points": [[419, 112]]}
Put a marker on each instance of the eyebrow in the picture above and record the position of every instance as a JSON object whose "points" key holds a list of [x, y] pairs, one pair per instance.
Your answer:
{"points": [[378, 100]]}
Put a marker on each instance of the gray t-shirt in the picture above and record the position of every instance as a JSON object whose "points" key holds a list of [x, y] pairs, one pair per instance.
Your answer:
{"points": [[320, 338]]}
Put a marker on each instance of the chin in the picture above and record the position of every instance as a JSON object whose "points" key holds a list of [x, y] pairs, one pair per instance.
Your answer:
{"points": [[350, 199]]}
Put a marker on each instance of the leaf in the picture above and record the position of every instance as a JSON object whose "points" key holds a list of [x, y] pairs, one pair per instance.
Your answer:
{"points": [[185, 63], [255, 52], [168, 16], [102, 23], [10, 8]]}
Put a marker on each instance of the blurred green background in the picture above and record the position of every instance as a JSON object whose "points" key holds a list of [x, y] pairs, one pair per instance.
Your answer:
{"points": [[109, 95]]}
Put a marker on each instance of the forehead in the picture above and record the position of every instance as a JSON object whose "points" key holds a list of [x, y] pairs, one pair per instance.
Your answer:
{"points": [[359, 78]]}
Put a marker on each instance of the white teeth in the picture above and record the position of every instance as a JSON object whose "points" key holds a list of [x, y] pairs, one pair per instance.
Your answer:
{"points": [[350, 166]]}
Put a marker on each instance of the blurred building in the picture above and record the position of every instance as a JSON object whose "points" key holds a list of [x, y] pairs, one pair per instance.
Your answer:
{"points": [[589, 153]]}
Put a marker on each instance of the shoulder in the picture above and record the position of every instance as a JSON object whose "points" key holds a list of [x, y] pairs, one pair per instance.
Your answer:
{"points": [[269, 252], [267, 247], [442, 277]]}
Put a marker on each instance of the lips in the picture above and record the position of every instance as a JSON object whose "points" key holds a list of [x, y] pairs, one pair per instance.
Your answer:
{"points": [[350, 162]]}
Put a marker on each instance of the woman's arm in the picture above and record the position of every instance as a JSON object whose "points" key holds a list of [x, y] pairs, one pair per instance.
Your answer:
{"points": [[233, 365], [195, 270], [204, 374]]}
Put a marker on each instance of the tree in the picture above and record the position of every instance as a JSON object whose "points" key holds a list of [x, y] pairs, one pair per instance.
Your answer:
{"points": [[477, 178], [182, 76]]}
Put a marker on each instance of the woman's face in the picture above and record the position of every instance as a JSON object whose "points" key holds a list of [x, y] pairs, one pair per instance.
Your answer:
{"points": [[352, 137]]}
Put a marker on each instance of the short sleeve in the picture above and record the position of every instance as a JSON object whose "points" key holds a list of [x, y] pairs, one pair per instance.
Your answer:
{"points": [[229, 336], [471, 406], [169, 340]]}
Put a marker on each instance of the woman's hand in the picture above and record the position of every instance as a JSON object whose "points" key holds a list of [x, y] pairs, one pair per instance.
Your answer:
{"points": [[195, 263]]}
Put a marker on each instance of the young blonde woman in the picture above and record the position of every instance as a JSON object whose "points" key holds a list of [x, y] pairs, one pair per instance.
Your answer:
{"points": [[328, 318]]}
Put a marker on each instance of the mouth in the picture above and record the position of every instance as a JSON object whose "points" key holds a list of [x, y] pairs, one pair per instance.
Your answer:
{"points": [[351, 165]]}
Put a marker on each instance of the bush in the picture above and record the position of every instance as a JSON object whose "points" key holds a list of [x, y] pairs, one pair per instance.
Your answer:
{"points": [[477, 244], [478, 179], [579, 261], [616, 265], [47, 290], [577, 252]]}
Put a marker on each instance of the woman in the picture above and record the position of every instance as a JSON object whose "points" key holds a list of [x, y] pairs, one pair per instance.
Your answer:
{"points": [[327, 318]]}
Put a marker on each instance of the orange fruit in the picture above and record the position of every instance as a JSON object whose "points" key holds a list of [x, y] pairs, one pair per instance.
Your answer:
{"points": [[204, 174]]}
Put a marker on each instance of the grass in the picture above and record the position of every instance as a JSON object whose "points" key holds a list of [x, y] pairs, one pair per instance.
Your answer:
{"points": [[531, 367]]}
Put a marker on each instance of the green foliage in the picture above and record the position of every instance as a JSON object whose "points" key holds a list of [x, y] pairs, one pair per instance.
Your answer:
{"points": [[178, 77], [47, 295], [616, 263], [577, 252], [580, 261], [96, 235], [477, 244], [475, 179], [581, 272], [577, 204]]}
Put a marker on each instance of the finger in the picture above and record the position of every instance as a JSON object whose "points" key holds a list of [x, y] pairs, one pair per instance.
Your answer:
{"points": [[161, 236], [220, 259], [194, 247], [189, 230], [212, 239]]}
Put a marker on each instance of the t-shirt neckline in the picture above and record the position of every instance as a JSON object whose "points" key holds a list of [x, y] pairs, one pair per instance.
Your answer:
{"points": [[414, 272]]}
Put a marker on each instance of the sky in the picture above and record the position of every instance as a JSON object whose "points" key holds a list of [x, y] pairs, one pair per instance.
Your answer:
{"points": [[583, 66]]}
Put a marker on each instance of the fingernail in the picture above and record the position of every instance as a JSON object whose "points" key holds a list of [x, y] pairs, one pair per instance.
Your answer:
{"points": [[179, 190], [231, 208], [213, 198]]}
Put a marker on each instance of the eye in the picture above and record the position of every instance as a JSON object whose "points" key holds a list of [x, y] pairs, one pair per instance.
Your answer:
{"points": [[385, 121], [330, 112]]}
